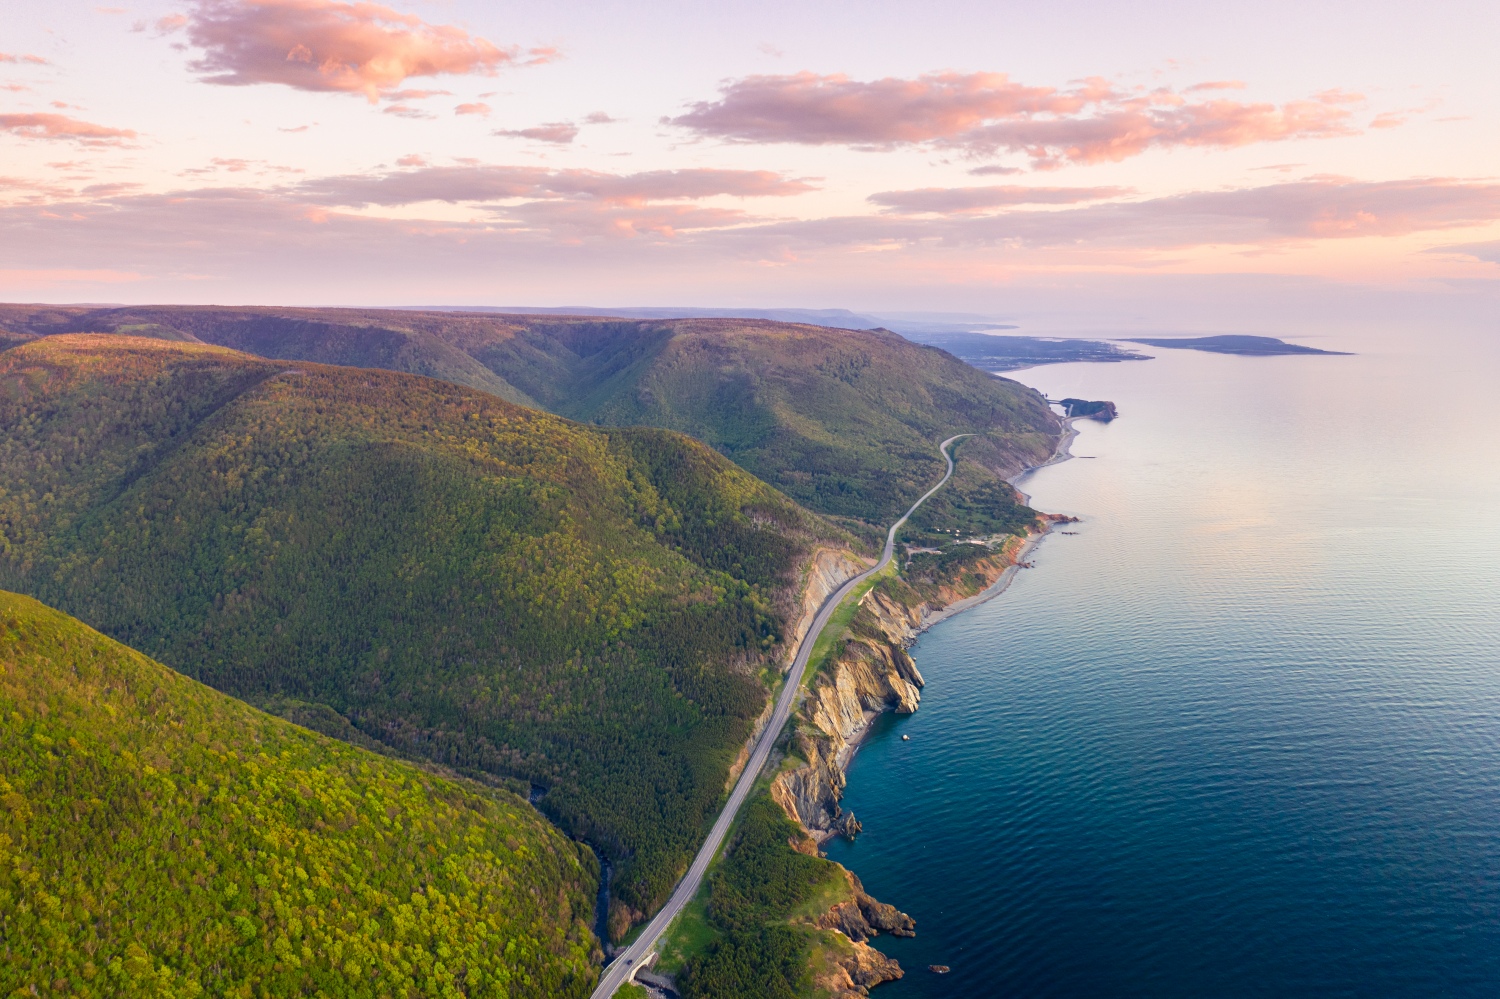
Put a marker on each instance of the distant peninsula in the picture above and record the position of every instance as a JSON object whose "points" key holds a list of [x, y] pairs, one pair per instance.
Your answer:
{"points": [[995, 352], [1258, 346]]}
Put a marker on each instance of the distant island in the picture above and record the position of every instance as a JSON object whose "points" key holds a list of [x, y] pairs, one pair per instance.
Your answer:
{"points": [[991, 352], [1259, 346]]}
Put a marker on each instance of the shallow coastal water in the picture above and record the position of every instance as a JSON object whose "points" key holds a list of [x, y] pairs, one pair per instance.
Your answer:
{"points": [[1238, 736]]}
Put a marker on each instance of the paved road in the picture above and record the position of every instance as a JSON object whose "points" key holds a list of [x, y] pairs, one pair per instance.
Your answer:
{"points": [[624, 965]]}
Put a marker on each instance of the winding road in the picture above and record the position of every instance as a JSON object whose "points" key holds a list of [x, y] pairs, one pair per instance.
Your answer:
{"points": [[622, 969]]}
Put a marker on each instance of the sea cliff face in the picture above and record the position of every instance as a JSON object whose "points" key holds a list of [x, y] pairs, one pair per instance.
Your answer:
{"points": [[871, 672], [868, 672]]}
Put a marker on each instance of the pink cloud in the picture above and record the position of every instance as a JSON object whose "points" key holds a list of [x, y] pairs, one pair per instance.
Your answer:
{"points": [[811, 109], [35, 60], [578, 220], [1488, 252], [983, 114], [1132, 128], [260, 168], [407, 111], [110, 190], [1215, 85], [33, 191], [995, 171], [474, 183], [412, 160], [1392, 119], [61, 127], [560, 132], [327, 45], [969, 200], [477, 107], [414, 95]]}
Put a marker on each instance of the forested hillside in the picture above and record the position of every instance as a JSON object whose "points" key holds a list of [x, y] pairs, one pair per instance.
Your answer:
{"points": [[491, 587], [159, 839], [843, 421]]}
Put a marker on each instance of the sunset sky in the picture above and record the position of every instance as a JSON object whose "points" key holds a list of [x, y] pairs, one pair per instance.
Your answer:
{"points": [[1153, 164]]}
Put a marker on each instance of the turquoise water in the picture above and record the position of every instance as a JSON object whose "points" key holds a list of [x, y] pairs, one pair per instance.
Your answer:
{"points": [[1240, 736]]}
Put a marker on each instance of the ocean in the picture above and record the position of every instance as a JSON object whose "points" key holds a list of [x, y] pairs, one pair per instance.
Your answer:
{"points": [[1239, 735]]}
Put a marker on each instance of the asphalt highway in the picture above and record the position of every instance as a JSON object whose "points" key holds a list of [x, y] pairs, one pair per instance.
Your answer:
{"points": [[625, 964]]}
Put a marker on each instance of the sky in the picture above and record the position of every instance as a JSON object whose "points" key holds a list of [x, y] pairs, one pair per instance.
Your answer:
{"points": [[1073, 165]]}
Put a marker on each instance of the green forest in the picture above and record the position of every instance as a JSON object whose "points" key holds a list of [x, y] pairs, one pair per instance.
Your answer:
{"points": [[499, 590], [753, 892], [845, 422], [159, 839]]}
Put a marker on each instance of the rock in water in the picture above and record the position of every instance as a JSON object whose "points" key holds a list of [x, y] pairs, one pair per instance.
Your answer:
{"points": [[939, 969]]}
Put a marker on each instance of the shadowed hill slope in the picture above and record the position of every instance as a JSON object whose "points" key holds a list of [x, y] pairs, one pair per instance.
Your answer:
{"points": [[493, 588], [843, 421], [159, 838]]}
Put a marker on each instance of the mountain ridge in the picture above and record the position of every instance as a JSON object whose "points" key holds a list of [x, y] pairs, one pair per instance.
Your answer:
{"points": [[843, 421]]}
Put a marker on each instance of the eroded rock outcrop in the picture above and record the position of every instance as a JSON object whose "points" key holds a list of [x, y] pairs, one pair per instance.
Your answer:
{"points": [[863, 917], [869, 676], [856, 973]]}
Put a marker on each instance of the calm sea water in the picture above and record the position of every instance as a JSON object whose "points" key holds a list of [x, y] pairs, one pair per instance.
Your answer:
{"points": [[1240, 736]]}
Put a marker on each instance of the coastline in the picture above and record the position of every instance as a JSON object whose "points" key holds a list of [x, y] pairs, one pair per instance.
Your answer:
{"points": [[861, 689], [999, 586], [1061, 454]]}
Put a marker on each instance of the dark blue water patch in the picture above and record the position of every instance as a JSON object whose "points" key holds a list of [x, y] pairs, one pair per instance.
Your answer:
{"points": [[1240, 736]]}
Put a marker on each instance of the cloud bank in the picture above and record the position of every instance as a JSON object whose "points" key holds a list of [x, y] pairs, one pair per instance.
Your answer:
{"points": [[559, 132], [1275, 215], [984, 114], [966, 200], [577, 228], [481, 183]]}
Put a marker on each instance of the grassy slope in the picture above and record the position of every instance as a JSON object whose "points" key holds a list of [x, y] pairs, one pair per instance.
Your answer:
{"points": [[843, 421], [158, 838], [484, 585]]}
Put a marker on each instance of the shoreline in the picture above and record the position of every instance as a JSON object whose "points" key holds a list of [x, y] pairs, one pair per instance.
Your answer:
{"points": [[856, 739]]}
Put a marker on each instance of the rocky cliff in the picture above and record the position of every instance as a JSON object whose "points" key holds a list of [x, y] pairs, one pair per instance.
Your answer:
{"points": [[862, 967], [868, 671], [871, 672]]}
